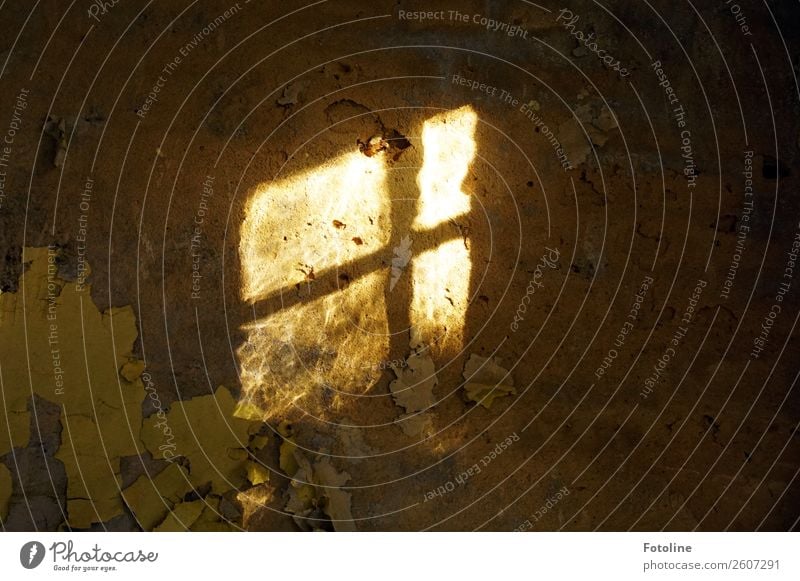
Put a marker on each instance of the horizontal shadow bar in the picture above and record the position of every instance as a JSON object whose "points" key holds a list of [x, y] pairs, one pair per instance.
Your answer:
{"points": [[288, 297]]}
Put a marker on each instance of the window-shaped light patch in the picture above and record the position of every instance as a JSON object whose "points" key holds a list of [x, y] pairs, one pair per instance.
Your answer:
{"points": [[449, 148], [441, 275], [310, 230], [333, 220], [319, 212]]}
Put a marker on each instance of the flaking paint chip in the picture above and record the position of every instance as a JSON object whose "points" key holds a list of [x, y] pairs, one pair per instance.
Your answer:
{"points": [[211, 519], [182, 517], [254, 500], [257, 473], [415, 425], [151, 499], [78, 353], [258, 441], [486, 381], [203, 430], [413, 388], [314, 493], [132, 370]]}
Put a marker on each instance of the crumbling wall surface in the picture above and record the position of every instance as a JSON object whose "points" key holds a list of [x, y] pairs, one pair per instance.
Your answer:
{"points": [[398, 265]]}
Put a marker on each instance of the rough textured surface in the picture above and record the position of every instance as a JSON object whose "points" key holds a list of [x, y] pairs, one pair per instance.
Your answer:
{"points": [[60, 348], [306, 202]]}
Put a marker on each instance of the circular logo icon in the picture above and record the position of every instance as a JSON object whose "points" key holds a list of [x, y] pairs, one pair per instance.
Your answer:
{"points": [[31, 554]]}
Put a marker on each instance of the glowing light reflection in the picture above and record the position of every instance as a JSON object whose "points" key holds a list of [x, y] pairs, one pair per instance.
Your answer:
{"points": [[330, 217]]}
